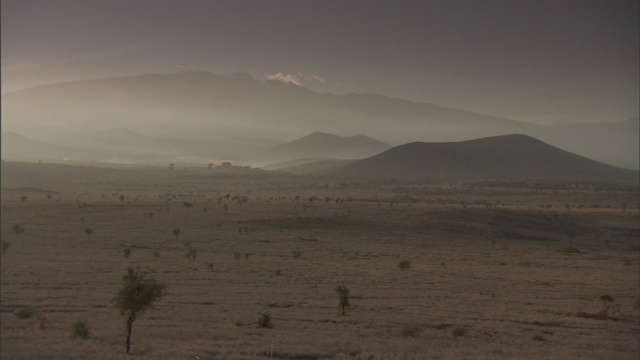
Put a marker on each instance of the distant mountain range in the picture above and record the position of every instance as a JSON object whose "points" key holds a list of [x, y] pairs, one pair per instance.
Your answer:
{"points": [[196, 112], [324, 145], [507, 157]]}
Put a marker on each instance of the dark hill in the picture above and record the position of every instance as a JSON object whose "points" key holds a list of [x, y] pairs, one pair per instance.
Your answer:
{"points": [[508, 157]]}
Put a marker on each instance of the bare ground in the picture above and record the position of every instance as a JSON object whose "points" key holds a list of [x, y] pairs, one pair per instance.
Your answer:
{"points": [[497, 270]]}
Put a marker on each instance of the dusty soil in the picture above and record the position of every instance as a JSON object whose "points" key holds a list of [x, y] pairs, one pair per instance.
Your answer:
{"points": [[497, 270]]}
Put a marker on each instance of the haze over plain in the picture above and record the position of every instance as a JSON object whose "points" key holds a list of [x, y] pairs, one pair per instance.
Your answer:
{"points": [[562, 71]]}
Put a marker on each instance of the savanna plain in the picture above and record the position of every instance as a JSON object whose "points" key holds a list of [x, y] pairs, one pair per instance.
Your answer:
{"points": [[435, 269]]}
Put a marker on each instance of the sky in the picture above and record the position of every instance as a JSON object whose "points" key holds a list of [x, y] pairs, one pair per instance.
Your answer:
{"points": [[542, 61]]}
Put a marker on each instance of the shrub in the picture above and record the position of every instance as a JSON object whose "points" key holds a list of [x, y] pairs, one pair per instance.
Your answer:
{"points": [[25, 313], [192, 253], [404, 265], [538, 338], [343, 297], [126, 252], [459, 331], [606, 306], [18, 229], [410, 330], [88, 231], [80, 329], [5, 246], [176, 232], [237, 255], [297, 254], [571, 250], [264, 320]]}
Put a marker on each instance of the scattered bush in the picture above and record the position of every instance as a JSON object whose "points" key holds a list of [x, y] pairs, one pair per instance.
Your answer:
{"points": [[404, 265], [343, 296], [25, 313], [192, 253], [410, 330], [538, 338], [88, 231], [126, 252], [459, 331], [297, 254], [80, 329], [278, 272], [5, 246], [571, 250], [606, 306], [176, 232], [237, 255], [18, 229], [264, 320]]}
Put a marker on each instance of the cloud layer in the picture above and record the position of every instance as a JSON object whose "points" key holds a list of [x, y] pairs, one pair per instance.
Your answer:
{"points": [[296, 79]]}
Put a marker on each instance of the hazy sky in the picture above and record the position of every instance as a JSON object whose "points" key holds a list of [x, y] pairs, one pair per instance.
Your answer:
{"points": [[533, 60]]}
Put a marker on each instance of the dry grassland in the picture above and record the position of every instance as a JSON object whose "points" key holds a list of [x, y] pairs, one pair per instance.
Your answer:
{"points": [[490, 276]]}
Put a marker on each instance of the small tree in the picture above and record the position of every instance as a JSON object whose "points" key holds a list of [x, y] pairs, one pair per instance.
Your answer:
{"points": [[138, 294], [343, 294]]}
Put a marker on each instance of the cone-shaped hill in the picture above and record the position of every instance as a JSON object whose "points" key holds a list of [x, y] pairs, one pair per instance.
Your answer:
{"points": [[507, 157]]}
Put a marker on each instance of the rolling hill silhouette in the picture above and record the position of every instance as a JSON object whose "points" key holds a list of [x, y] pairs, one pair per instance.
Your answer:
{"points": [[201, 106], [324, 145], [507, 157]]}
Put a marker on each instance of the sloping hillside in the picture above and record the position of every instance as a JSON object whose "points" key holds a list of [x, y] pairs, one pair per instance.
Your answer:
{"points": [[323, 145], [499, 157]]}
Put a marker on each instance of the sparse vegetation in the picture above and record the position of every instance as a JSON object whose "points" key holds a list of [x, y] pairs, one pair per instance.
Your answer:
{"points": [[18, 229], [5, 246], [343, 298], [138, 293], [192, 254], [538, 338], [606, 306], [459, 331], [264, 320], [571, 250], [404, 265], [410, 330], [80, 329], [25, 313]]}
